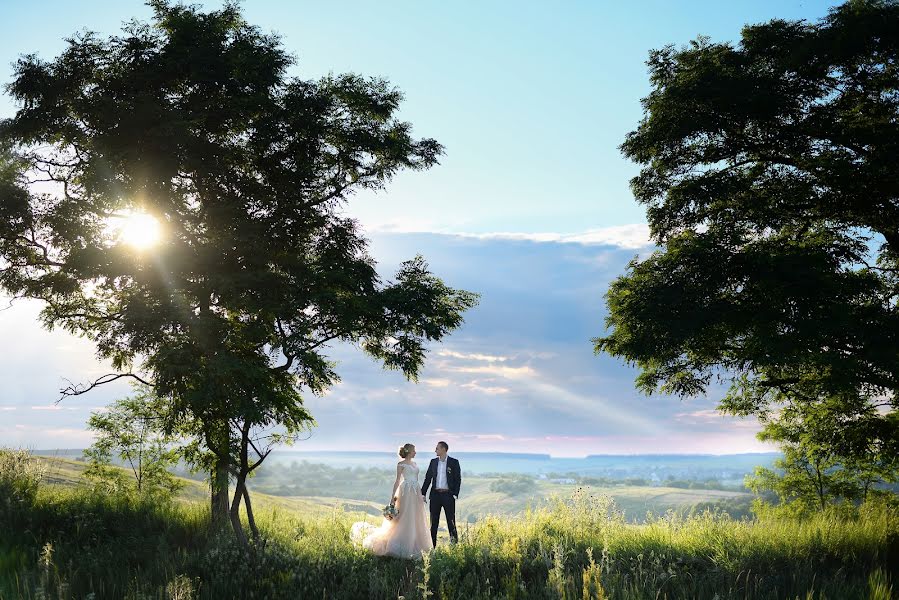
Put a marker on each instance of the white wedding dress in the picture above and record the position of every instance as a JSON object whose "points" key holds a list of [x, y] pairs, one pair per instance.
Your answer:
{"points": [[408, 534]]}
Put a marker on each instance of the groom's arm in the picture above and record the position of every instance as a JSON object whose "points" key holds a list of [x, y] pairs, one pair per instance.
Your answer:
{"points": [[458, 480], [428, 476]]}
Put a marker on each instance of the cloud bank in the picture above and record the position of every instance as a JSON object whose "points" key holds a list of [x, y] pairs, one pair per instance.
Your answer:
{"points": [[519, 376]]}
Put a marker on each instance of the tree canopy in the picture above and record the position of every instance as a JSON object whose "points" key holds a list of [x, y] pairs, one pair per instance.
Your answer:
{"points": [[770, 177], [191, 120]]}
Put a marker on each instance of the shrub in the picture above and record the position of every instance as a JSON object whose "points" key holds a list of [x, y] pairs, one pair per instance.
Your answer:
{"points": [[20, 477], [514, 485]]}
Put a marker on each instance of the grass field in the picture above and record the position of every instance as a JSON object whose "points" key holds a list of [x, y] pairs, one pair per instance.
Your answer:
{"points": [[61, 541], [634, 501], [64, 472]]}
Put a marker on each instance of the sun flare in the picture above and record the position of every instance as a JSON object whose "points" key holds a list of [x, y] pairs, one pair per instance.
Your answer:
{"points": [[139, 230]]}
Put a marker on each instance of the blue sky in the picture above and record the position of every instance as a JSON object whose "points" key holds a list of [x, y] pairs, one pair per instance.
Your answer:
{"points": [[530, 207]]}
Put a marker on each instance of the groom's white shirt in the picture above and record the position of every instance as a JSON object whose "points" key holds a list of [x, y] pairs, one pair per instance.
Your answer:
{"points": [[441, 482]]}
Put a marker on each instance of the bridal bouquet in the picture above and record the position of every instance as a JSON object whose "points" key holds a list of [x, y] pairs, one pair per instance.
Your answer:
{"points": [[389, 511]]}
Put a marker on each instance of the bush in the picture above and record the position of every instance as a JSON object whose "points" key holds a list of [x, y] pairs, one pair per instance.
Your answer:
{"points": [[20, 478], [514, 485]]}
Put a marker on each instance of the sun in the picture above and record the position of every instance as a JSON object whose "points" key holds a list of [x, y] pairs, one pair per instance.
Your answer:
{"points": [[140, 230]]}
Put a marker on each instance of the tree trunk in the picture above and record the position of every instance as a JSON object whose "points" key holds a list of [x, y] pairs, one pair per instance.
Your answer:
{"points": [[250, 519], [234, 514], [820, 484], [240, 490], [219, 485]]}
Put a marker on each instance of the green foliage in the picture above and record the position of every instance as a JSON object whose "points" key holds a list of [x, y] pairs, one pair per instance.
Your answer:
{"points": [[736, 508], [769, 177], [131, 430], [302, 478], [879, 586], [191, 119], [708, 484], [592, 580], [803, 482], [74, 543], [817, 469], [514, 485], [20, 477]]}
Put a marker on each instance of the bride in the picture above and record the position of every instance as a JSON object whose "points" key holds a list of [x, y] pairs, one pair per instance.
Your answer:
{"points": [[406, 535]]}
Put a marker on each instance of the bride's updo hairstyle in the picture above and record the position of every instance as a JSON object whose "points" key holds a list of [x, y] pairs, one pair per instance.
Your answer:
{"points": [[406, 450]]}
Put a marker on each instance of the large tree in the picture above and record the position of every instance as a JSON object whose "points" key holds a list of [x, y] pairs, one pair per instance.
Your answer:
{"points": [[770, 173], [191, 121]]}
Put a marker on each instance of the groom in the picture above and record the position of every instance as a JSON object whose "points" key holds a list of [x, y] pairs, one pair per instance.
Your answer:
{"points": [[444, 471]]}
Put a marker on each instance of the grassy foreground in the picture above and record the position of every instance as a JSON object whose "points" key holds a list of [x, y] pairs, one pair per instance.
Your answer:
{"points": [[70, 543]]}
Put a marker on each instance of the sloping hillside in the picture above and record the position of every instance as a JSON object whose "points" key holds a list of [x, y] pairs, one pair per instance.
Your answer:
{"points": [[68, 472]]}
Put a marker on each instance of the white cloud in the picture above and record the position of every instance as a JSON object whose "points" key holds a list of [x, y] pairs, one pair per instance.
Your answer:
{"points": [[473, 356], [436, 382], [631, 236], [520, 376], [69, 436], [34, 436], [491, 390], [407, 224], [542, 392], [714, 417], [705, 416], [455, 435], [498, 371], [593, 407], [490, 436]]}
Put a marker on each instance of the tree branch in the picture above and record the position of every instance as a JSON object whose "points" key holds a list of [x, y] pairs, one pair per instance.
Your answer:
{"points": [[76, 389], [324, 340], [290, 357], [261, 455]]}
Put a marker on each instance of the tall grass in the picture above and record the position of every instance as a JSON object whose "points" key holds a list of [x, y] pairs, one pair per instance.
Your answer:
{"points": [[71, 543]]}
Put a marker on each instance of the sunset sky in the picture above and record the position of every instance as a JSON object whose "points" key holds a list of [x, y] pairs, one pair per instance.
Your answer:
{"points": [[530, 207]]}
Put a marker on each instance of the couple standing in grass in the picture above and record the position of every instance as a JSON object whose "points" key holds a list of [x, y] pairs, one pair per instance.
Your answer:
{"points": [[404, 532]]}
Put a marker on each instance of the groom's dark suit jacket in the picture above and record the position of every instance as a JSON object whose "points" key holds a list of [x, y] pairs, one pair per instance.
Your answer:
{"points": [[453, 475]]}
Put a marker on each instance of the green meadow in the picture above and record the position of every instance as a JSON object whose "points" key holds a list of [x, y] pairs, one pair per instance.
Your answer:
{"points": [[63, 540]]}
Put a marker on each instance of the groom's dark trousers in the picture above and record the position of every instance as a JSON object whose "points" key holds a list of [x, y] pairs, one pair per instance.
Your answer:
{"points": [[443, 500]]}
